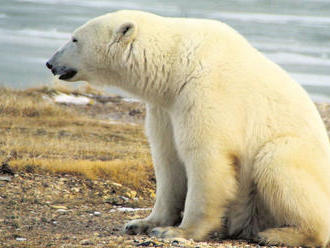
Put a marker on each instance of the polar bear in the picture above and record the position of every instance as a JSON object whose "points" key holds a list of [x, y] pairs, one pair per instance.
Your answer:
{"points": [[237, 145]]}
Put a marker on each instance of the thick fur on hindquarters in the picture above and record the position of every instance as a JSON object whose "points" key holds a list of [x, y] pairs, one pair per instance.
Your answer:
{"points": [[294, 197], [232, 136]]}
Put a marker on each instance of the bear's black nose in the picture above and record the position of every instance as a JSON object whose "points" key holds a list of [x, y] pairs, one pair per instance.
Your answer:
{"points": [[49, 66]]}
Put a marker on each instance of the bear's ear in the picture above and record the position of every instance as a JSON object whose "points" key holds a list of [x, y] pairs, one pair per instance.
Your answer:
{"points": [[126, 32]]}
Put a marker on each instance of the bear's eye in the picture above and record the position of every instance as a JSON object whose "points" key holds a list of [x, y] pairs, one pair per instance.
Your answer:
{"points": [[125, 30], [74, 40]]}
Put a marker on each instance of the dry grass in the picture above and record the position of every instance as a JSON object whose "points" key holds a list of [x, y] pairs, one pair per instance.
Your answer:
{"points": [[38, 135], [27, 104]]}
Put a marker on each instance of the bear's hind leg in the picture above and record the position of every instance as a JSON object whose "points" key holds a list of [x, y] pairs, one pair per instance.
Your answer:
{"points": [[247, 216], [291, 236], [292, 179]]}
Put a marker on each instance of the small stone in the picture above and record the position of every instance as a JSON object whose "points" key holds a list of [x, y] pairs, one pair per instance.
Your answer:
{"points": [[20, 239], [58, 207], [62, 211], [117, 201], [147, 243], [5, 178], [97, 213], [175, 242], [77, 190], [6, 169], [124, 198], [117, 184], [86, 242], [178, 240]]}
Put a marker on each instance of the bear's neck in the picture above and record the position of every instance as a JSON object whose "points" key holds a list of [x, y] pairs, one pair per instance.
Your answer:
{"points": [[148, 74]]}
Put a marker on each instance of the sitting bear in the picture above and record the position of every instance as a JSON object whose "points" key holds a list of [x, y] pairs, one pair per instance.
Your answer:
{"points": [[237, 144]]}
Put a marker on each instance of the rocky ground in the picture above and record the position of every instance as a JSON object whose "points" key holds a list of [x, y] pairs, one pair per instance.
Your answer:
{"points": [[65, 211], [69, 211], [41, 209]]}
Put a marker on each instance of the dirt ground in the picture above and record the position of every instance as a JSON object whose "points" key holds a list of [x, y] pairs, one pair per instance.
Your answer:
{"points": [[40, 208]]}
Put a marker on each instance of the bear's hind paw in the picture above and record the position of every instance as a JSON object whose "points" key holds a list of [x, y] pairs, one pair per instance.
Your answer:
{"points": [[168, 232]]}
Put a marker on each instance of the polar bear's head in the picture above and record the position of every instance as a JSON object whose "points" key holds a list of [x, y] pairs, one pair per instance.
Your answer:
{"points": [[96, 47]]}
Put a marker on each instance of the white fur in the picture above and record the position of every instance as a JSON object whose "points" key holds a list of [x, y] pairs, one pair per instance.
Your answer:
{"points": [[236, 143]]}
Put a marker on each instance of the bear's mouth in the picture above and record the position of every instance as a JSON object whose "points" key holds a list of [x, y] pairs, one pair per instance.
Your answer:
{"points": [[68, 74]]}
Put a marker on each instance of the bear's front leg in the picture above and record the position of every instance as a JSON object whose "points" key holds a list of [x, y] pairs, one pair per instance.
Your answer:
{"points": [[211, 177], [170, 175], [211, 186]]}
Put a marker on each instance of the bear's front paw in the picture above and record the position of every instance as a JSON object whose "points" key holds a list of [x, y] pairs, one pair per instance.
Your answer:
{"points": [[138, 227], [168, 232]]}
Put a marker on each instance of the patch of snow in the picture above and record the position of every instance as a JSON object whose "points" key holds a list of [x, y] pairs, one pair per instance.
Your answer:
{"points": [[20, 239], [129, 99], [123, 209], [71, 99]]}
